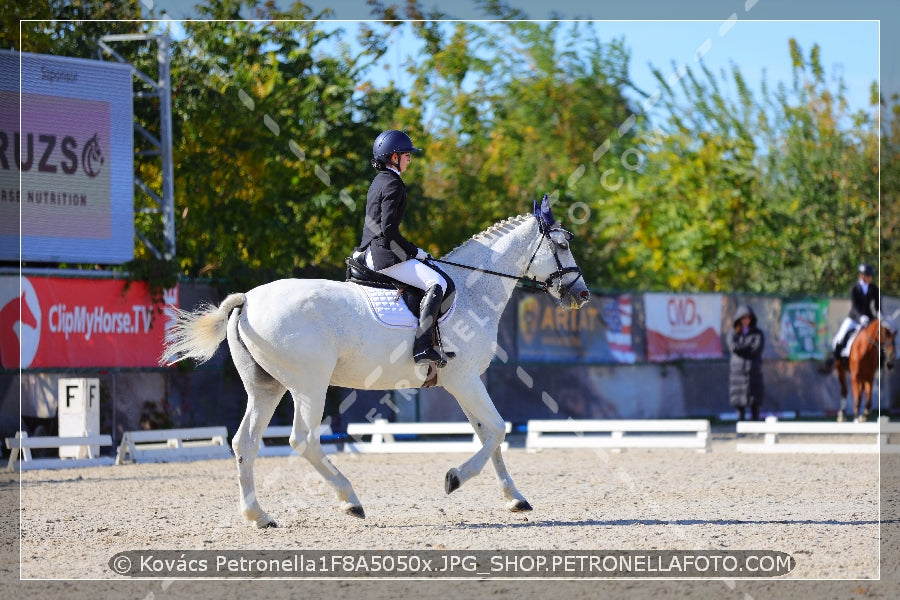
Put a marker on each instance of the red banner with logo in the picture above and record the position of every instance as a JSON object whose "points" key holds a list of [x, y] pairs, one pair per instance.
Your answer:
{"points": [[58, 322], [683, 326]]}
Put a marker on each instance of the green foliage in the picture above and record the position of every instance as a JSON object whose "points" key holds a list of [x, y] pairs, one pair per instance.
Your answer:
{"points": [[66, 27], [273, 138], [719, 190]]}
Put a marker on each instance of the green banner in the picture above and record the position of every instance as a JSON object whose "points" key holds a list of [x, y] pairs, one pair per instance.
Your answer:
{"points": [[804, 329]]}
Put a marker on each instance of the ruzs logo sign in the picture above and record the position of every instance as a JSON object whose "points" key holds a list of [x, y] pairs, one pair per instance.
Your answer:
{"points": [[50, 162], [66, 160]]}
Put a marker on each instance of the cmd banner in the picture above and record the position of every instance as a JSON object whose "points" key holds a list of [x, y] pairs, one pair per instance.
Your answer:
{"points": [[59, 322]]}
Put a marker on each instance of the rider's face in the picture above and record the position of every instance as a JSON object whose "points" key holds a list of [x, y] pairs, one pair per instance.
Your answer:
{"points": [[403, 160]]}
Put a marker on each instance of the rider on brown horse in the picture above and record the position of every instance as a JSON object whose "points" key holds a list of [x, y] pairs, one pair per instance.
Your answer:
{"points": [[864, 305]]}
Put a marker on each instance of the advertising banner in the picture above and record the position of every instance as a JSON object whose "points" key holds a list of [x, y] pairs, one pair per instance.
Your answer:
{"points": [[804, 329], [599, 332], [66, 160], [683, 326], [61, 323]]}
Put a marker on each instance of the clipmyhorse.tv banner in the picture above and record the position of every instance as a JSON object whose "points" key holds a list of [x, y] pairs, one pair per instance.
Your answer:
{"points": [[58, 322]]}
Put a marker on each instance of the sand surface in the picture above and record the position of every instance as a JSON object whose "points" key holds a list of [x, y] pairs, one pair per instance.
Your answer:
{"points": [[822, 510]]}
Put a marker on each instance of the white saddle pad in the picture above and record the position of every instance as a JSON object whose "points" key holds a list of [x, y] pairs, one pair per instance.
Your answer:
{"points": [[390, 310]]}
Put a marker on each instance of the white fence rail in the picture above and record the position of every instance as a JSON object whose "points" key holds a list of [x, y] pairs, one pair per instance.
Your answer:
{"points": [[167, 445], [619, 434], [21, 445], [455, 436], [773, 432]]}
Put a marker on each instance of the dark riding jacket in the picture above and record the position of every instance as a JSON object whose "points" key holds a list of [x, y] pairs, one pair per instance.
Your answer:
{"points": [[385, 207], [863, 303]]}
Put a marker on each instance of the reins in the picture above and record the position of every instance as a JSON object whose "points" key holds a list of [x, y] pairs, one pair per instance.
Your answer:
{"points": [[532, 285]]}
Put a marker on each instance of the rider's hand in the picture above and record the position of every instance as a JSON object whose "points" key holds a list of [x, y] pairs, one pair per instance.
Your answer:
{"points": [[421, 254], [863, 320]]}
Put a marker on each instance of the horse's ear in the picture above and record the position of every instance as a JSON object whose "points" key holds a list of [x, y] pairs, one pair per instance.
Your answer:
{"points": [[546, 213]]}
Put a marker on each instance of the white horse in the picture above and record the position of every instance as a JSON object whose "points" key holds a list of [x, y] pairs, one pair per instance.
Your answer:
{"points": [[304, 335]]}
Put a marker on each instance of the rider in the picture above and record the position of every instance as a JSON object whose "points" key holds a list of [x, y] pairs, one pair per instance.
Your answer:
{"points": [[388, 252], [863, 307]]}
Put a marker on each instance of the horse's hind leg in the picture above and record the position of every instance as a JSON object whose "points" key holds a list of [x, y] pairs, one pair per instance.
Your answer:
{"points": [[263, 395], [309, 404], [516, 502]]}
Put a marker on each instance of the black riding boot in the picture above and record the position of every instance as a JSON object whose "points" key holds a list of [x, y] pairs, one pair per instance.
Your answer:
{"points": [[424, 350], [835, 354]]}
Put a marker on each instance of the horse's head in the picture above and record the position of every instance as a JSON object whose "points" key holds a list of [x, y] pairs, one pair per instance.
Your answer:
{"points": [[553, 263]]}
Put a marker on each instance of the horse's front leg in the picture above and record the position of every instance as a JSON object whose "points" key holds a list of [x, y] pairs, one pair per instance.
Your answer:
{"points": [[858, 389], [516, 502], [479, 409], [867, 390]]}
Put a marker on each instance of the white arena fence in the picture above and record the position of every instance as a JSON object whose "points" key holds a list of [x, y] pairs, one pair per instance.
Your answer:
{"points": [[381, 436], [619, 434], [883, 436], [21, 445]]}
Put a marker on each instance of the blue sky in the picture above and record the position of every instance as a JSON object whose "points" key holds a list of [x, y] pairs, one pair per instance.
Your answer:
{"points": [[753, 34], [758, 48]]}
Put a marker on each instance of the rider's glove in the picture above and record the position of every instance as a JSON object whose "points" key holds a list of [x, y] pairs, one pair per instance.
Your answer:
{"points": [[863, 321], [421, 254]]}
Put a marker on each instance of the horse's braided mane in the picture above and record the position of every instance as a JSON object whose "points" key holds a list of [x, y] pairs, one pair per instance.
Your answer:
{"points": [[492, 232]]}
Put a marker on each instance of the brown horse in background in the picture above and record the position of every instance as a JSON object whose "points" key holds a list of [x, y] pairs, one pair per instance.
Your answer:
{"points": [[873, 344]]}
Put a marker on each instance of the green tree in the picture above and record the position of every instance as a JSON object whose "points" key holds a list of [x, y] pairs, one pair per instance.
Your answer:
{"points": [[506, 112], [890, 196], [67, 27], [776, 195], [272, 134]]}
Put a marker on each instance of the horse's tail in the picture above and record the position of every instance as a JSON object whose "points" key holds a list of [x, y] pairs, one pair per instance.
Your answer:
{"points": [[198, 334]]}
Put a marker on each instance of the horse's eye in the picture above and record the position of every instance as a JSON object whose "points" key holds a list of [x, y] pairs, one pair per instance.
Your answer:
{"points": [[563, 245]]}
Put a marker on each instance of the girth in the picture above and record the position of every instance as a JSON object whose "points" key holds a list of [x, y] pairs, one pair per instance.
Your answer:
{"points": [[358, 272]]}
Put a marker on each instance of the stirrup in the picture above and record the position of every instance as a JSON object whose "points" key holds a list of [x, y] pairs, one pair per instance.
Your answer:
{"points": [[433, 355]]}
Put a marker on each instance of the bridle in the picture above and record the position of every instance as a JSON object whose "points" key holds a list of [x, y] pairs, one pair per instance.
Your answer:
{"points": [[532, 284], [881, 341]]}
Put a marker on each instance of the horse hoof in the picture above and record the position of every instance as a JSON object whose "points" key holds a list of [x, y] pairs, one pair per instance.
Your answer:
{"points": [[356, 511], [451, 481], [520, 506]]}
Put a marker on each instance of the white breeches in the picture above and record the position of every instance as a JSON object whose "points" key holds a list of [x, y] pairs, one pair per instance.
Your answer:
{"points": [[846, 326], [412, 272]]}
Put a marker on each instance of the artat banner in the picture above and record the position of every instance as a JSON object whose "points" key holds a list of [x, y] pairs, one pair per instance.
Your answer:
{"points": [[66, 159], [599, 332], [804, 329], [61, 323], [683, 326]]}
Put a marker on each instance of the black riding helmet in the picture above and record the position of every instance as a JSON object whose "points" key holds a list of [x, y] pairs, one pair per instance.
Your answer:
{"points": [[866, 269], [389, 142]]}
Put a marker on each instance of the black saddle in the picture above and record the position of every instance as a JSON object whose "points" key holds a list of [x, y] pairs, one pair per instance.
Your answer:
{"points": [[358, 272]]}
